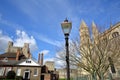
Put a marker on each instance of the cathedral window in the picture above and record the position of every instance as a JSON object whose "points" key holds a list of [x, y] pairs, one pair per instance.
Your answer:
{"points": [[115, 34], [105, 39]]}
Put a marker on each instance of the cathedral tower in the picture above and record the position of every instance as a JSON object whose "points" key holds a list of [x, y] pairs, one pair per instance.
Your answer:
{"points": [[84, 42], [84, 34]]}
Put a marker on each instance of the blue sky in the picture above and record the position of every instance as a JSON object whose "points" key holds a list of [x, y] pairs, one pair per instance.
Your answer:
{"points": [[38, 22]]}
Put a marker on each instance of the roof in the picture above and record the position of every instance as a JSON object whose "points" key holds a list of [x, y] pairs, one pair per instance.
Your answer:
{"points": [[11, 55], [16, 63], [24, 63], [111, 28], [49, 62], [8, 54], [7, 62]]}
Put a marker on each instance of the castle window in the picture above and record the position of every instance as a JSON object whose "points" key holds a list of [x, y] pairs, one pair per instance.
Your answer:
{"points": [[115, 34]]}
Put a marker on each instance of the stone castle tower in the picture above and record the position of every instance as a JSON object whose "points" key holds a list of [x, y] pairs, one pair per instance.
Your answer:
{"points": [[23, 50]]}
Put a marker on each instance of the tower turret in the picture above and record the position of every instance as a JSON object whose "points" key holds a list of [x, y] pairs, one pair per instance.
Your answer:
{"points": [[95, 32], [10, 44], [26, 49]]}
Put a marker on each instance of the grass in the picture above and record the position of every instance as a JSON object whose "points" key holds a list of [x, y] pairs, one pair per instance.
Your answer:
{"points": [[62, 79]]}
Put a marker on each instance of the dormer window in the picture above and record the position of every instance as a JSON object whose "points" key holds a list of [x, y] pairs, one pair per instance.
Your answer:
{"points": [[28, 61], [115, 34], [5, 59]]}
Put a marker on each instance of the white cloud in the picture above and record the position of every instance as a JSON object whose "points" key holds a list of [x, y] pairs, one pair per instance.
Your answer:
{"points": [[60, 59], [48, 40], [4, 41], [22, 37], [60, 64], [45, 52]]}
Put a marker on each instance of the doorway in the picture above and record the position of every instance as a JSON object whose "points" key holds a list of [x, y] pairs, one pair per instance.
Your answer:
{"points": [[42, 77], [26, 75]]}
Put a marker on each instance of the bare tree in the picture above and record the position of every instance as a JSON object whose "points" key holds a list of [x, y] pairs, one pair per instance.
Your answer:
{"points": [[94, 57]]}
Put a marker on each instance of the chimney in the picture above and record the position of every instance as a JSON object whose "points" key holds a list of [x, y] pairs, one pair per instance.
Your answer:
{"points": [[42, 59], [39, 59], [17, 55]]}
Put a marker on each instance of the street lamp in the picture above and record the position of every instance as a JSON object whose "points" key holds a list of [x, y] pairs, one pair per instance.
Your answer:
{"points": [[66, 27]]}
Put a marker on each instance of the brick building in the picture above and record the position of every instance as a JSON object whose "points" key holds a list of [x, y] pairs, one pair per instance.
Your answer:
{"points": [[19, 59]]}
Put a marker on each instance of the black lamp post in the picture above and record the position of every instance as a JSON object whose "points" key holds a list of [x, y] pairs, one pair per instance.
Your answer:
{"points": [[66, 27]]}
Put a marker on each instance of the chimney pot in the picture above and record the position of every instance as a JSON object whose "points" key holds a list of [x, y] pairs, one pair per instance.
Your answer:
{"points": [[39, 59], [42, 59]]}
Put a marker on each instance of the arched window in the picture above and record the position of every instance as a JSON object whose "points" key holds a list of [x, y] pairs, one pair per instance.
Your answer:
{"points": [[115, 34]]}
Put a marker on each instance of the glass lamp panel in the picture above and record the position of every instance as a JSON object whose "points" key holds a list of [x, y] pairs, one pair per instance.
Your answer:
{"points": [[66, 27]]}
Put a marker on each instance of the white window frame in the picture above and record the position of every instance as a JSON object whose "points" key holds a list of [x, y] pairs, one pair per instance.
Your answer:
{"points": [[18, 72], [36, 72], [2, 71], [7, 70]]}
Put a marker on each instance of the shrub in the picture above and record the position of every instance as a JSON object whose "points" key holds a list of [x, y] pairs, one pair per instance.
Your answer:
{"points": [[11, 75]]}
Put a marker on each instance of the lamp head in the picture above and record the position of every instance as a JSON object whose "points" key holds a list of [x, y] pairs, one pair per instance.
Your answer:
{"points": [[66, 27]]}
